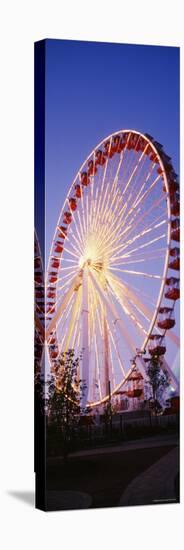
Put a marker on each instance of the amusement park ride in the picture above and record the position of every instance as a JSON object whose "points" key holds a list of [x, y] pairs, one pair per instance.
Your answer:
{"points": [[112, 279]]}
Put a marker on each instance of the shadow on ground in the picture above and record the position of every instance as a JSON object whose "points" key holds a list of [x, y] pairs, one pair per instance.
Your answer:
{"points": [[26, 496]]}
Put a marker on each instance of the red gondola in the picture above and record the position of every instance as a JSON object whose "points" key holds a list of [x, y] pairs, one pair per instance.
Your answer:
{"points": [[55, 263], [73, 204], [67, 217], [149, 151], [100, 158], [51, 295], [156, 345], [173, 292], [175, 208], [39, 294], [53, 354], [159, 170], [63, 231], [168, 168], [92, 169], [51, 309], [141, 144], [133, 142], [52, 279], [175, 230], [116, 144], [154, 158], [85, 180], [122, 143], [106, 151], [37, 263], [175, 262], [137, 392], [166, 318], [52, 341], [173, 187], [78, 191], [38, 279], [135, 376], [58, 249]]}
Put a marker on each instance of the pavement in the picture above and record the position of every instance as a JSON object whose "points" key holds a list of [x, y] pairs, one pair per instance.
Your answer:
{"points": [[156, 485], [146, 443], [105, 477]]}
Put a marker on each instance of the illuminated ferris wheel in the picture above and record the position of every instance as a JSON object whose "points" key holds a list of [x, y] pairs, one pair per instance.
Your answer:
{"points": [[39, 309], [112, 279]]}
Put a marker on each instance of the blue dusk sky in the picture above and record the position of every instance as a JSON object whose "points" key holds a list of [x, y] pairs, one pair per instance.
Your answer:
{"points": [[94, 89]]}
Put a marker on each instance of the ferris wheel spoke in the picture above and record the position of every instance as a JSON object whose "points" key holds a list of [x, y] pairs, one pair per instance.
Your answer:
{"points": [[113, 215], [112, 193], [76, 246], [65, 322], [72, 323], [132, 293], [130, 227], [142, 178], [62, 305], [62, 318], [131, 214], [119, 249], [96, 354], [138, 304], [95, 316], [76, 329], [126, 307], [94, 208], [145, 214], [81, 233], [131, 272], [72, 271], [147, 192], [111, 308], [69, 280], [135, 169], [145, 180], [79, 238], [125, 244], [116, 349], [135, 176], [137, 261], [99, 207], [114, 220], [140, 247], [113, 187]]}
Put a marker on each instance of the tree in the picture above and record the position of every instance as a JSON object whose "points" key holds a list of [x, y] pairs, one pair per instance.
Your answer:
{"points": [[158, 379], [63, 399]]}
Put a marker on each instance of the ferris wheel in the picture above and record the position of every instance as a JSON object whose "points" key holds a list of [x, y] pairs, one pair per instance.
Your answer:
{"points": [[112, 278], [39, 305]]}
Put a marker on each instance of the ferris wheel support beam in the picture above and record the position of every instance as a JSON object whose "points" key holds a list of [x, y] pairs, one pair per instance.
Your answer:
{"points": [[63, 305], [85, 340], [106, 353], [111, 308]]}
